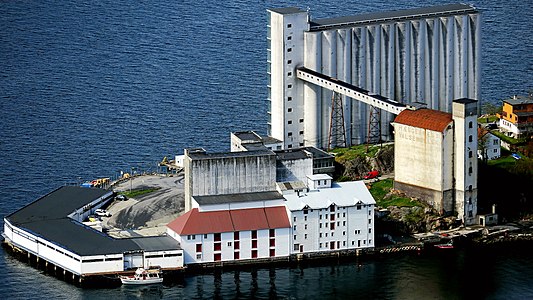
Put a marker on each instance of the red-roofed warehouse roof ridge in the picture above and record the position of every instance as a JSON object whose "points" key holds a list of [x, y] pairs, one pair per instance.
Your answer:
{"points": [[196, 222], [425, 118]]}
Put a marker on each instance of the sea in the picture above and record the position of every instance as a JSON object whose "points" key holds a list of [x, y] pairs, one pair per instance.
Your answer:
{"points": [[91, 89]]}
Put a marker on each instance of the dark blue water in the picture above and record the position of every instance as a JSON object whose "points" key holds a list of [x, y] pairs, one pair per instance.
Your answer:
{"points": [[91, 88]]}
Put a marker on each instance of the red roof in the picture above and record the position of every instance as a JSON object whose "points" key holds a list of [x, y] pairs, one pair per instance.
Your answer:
{"points": [[196, 222], [425, 118]]}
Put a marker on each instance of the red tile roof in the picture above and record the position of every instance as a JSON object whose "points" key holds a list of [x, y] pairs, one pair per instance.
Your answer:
{"points": [[425, 118], [196, 222]]}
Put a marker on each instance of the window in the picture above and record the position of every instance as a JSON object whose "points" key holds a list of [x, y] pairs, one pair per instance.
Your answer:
{"points": [[289, 62], [289, 109], [332, 226], [301, 120], [289, 74], [289, 38], [198, 247], [469, 154], [495, 150], [229, 244], [305, 211], [289, 122], [305, 218], [236, 235], [254, 234], [294, 219], [301, 132], [344, 233], [470, 138], [188, 237], [272, 252], [289, 49], [343, 223], [320, 245], [344, 243], [332, 208], [217, 246], [305, 236], [296, 247], [289, 25], [205, 236], [495, 142], [305, 226], [469, 170], [320, 217], [320, 225], [198, 256], [254, 253], [359, 207], [369, 230], [272, 242], [272, 233], [369, 221], [254, 243], [217, 256], [237, 245], [289, 98], [344, 215], [470, 124], [294, 227], [289, 133], [470, 188], [295, 237], [236, 255], [217, 237], [289, 86], [320, 234]]}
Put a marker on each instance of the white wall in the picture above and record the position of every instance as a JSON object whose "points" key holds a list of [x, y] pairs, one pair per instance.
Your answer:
{"points": [[164, 259]]}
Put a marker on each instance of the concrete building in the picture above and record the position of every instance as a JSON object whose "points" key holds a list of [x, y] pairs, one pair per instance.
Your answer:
{"points": [[228, 173], [331, 216], [429, 55], [516, 119], [435, 158], [489, 145]]}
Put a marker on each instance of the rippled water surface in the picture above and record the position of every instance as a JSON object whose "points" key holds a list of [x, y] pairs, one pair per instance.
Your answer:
{"points": [[91, 88]]}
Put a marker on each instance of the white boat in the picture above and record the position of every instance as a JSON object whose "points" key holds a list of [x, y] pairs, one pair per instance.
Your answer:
{"points": [[143, 276]]}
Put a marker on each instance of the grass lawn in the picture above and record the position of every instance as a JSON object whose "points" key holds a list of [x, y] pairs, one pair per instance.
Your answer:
{"points": [[136, 193], [381, 188], [344, 154], [489, 119], [506, 162]]}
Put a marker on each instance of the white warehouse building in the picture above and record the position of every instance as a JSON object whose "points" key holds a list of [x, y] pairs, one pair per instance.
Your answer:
{"points": [[429, 55]]}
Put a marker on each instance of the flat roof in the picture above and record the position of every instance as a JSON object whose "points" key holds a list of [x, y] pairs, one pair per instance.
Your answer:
{"points": [[235, 198], [204, 155], [247, 136], [518, 100], [319, 153], [287, 10], [47, 217], [292, 154], [392, 16], [319, 177]]}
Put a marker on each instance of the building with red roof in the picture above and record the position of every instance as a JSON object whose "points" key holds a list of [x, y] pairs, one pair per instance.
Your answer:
{"points": [[435, 157]]}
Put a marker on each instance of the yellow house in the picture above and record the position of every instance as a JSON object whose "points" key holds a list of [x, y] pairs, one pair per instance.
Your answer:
{"points": [[516, 118]]}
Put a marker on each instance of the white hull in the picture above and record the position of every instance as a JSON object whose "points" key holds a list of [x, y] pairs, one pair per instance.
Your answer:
{"points": [[133, 281]]}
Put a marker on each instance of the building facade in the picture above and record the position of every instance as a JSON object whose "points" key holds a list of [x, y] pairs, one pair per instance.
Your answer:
{"points": [[435, 158], [516, 119], [429, 55], [489, 145]]}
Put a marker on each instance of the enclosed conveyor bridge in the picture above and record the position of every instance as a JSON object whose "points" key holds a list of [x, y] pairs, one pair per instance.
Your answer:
{"points": [[350, 90]]}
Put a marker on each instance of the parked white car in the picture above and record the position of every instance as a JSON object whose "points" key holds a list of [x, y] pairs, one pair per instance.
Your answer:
{"points": [[102, 213]]}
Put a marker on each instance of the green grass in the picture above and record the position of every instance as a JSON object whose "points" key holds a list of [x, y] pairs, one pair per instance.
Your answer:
{"points": [[490, 119], [136, 193], [381, 188], [345, 154], [504, 162]]}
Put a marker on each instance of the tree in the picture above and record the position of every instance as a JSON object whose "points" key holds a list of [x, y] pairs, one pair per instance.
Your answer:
{"points": [[490, 109]]}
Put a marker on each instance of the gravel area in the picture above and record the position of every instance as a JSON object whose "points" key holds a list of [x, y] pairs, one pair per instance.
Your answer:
{"points": [[146, 214]]}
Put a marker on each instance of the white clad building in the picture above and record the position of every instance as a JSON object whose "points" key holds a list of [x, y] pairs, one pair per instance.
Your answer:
{"points": [[489, 145], [331, 216], [429, 55]]}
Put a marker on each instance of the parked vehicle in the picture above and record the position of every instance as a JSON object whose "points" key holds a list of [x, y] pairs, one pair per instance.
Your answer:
{"points": [[516, 156], [121, 197], [102, 213], [371, 174]]}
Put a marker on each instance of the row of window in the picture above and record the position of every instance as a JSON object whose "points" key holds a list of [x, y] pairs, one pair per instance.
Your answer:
{"points": [[320, 235], [236, 255], [236, 235]]}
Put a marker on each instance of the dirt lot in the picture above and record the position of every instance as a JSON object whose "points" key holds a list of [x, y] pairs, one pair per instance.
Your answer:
{"points": [[147, 214]]}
